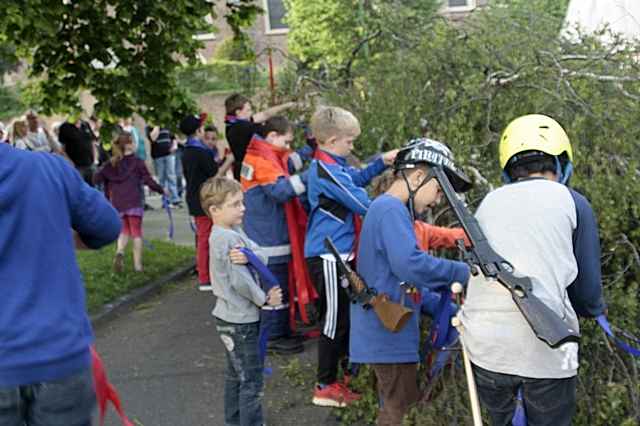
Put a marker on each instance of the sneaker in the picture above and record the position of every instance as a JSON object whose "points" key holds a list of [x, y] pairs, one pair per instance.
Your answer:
{"points": [[147, 207], [205, 287], [176, 205], [350, 395], [118, 263], [333, 395]]}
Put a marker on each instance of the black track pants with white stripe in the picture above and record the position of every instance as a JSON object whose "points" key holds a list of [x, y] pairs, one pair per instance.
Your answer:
{"points": [[333, 310]]}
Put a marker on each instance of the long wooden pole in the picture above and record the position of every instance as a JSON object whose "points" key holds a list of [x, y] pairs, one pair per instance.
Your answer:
{"points": [[456, 289]]}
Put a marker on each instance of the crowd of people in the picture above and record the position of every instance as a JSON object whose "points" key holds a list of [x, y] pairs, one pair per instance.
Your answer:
{"points": [[263, 213]]}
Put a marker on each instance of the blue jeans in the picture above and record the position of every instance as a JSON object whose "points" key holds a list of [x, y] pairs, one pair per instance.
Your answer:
{"points": [[243, 377], [179, 173], [65, 402], [547, 402], [166, 171]]}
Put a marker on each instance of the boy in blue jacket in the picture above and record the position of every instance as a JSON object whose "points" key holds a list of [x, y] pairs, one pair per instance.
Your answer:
{"points": [[337, 199], [45, 333], [275, 220], [388, 257]]}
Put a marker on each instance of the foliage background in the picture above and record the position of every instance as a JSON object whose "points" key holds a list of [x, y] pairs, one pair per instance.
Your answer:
{"points": [[462, 83]]}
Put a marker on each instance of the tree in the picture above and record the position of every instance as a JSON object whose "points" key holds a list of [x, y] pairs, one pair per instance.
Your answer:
{"points": [[468, 80], [124, 52], [330, 35]]}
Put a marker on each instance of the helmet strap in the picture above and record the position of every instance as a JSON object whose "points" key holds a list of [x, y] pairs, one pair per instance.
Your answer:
{"points": [[413, 192]]}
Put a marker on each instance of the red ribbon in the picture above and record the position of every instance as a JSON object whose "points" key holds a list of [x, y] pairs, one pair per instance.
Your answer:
{"points": [[105, 391]]}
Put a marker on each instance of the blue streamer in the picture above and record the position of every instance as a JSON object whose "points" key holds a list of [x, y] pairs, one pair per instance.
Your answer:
{"points": [[520, 414], [167, 208], [255, 265], [604, 324]]}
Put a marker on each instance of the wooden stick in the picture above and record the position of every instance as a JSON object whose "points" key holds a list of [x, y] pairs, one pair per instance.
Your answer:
{"points": [[456, 288]]}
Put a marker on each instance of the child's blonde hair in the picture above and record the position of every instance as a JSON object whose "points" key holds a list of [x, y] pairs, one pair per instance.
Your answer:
{"points": [[328, 122], [214, 191], [123, 139]]}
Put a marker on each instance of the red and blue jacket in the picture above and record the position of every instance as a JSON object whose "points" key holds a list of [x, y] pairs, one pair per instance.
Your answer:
{"points": [[335, 192], [274, 216], [268, 185]]}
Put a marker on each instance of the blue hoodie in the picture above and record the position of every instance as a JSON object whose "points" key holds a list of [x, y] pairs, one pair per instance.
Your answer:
{"points": [[44, 328], [388, 255]]}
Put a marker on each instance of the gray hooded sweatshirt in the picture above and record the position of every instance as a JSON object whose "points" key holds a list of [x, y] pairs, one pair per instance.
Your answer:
{"points": [[238, 291]]}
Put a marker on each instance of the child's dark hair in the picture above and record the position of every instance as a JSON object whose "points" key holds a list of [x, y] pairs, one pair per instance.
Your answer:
{"points": [[527, 163], [211, 128], [278, 124], [235, 102]]}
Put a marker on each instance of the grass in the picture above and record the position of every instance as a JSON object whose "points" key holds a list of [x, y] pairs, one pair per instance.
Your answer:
{"points": [[104, 286]]}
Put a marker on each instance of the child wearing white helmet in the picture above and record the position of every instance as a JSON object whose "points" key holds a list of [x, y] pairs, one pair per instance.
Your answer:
{"points": [[388, 258]]}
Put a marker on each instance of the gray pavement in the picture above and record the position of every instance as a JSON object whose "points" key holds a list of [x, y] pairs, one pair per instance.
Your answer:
{"points": [[156, 222], [167, 363]]}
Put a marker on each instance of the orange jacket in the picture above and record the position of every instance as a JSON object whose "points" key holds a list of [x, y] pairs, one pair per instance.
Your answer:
{"points": [[435, 237]]}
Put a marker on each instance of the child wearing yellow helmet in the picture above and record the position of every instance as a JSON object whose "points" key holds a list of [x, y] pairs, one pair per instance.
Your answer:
{"points": [[549, 233]]}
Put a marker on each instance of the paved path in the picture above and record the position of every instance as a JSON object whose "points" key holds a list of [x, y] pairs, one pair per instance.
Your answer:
{"points": [[168, 365], [156, 222], [167, 361]]}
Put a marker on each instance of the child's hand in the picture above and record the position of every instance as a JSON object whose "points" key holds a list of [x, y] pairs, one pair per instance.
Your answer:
{"points": [[274, 296], [389, 157], [237, 257]]}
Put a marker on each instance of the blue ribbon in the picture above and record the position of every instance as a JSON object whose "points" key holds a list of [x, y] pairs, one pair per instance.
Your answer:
{"points": [[520, 415], [442, 334], [604, 324], [255, 265], [167, 208]]}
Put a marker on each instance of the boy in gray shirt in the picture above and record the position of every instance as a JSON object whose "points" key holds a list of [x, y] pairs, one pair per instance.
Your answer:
{"points": [[239, 299]]}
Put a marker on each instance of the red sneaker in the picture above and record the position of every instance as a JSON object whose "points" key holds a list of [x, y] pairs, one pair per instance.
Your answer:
{"points": [[350, 395], [333, 395]]}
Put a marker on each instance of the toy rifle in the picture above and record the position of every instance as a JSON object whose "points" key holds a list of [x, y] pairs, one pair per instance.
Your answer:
{"points": [[545, 323], [392, 315]]}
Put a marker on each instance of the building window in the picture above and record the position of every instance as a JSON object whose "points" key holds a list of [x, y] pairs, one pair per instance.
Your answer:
{"points": [[205, 36], [460, 5], [274, 17]]}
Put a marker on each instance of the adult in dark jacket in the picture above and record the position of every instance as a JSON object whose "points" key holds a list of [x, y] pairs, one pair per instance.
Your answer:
{"points": [[78, 145]]}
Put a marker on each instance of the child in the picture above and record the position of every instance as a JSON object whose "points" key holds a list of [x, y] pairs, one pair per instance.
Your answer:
{"points": [[549, 233], [241, 124], [199, 164], [224, 157], [388, 257], [273, 214], [122, 177], [239, 299], [336, 198], [429, 237]]}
